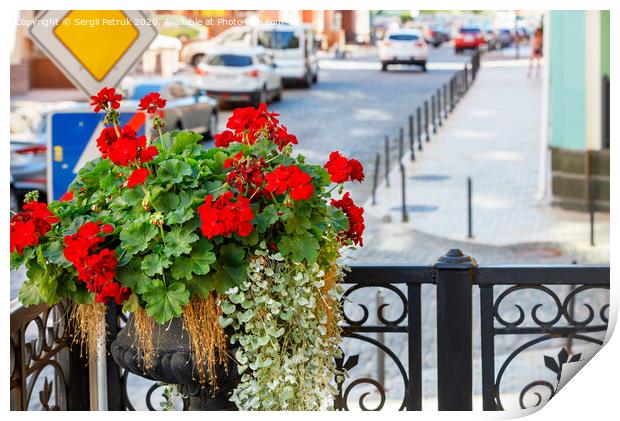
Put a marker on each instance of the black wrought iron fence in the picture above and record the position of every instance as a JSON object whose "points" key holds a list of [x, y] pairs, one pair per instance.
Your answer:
{"points": [[40, 339]]}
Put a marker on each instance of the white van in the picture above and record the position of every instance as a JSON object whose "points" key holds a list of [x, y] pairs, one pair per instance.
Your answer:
{"points": [[292, 47]]}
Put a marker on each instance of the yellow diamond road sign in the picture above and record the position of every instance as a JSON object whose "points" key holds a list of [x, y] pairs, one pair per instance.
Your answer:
{"points": [[94, 48]]}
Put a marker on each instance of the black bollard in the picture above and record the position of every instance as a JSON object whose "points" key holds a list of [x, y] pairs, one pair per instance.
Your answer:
{"points": [[403, 182], [411, 138], [375, 179], [387, 161], [470, 229], [418, 112], [428, 135]]}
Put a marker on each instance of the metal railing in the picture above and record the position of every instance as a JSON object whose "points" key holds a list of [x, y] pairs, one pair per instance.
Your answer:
{"points": [[529, 290]]}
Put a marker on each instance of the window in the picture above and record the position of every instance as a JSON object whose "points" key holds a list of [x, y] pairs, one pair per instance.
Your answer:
{"points": [[469, 31], [280, 40], [403, 37], [229, 60], [236, 37], [179, 90]]}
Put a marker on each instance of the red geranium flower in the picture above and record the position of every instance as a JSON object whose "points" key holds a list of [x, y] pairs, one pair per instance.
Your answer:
{"points": [[245, 172], [106, 99], [23, 234], [68, 196], [224, 217], [151, 103], [291, 179], [113, 290], [30, 224], [137, 177], [222, 140], [341, 169], [355, 214], [147, 154]]}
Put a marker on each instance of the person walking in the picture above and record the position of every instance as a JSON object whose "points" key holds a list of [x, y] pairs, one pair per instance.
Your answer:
{"points": [[537, 44]]}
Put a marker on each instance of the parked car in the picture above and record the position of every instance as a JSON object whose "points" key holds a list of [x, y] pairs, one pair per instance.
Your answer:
{"points": [[437, 35], [240, 75], [28, 161], [491, 40], [187, 108], [403, 46], [469, 37], [505, 37], [292, 47]]}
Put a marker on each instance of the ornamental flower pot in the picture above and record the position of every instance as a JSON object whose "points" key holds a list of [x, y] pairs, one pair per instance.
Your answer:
{"points": [[226, 259], [173, 363]]}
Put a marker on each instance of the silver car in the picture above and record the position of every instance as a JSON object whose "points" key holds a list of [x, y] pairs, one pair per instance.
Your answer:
{"points": [[28, 161]]}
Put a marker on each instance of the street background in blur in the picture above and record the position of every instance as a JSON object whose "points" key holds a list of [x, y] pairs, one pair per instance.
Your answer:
{"points": [[518, 172]]}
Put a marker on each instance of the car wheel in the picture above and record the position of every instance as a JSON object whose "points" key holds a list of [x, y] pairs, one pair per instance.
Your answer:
{"points": [[212, 125], [307, 80], [278, 96], [315, 77], [384, 67], [458, 51], [423, 65], [259, 98], [197, 58]]}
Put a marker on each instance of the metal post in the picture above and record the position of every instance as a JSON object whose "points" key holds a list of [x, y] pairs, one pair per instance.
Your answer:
{"points": [[428, 135], [401, 143], [455, 273], [445, 101], [439, 110], [411, 139], [387, 161], [418, 112], [591, 209], [469, 209], [452, 94], [113, 385], [466, 77], [381, 340], [375, 179], [403, 185], [433, 113]]}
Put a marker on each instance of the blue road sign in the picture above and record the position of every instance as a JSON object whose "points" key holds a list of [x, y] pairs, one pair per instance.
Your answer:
{"points": [[72, 142]]}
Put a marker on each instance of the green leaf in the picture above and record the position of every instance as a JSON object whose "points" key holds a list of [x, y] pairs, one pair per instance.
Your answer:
{"points": [[133, 196], [198, 262], [299, 247], [135, 238], [133, 277], [154, 264], [54, 253], [17, 260], [172, 171], [131, 304], [266, 218], [200, 284], [297, 224], [165, 302], [179, 240], [29, 293], [338, 219], [167, 202], [81, 295], [184, 139], [183, 211]]}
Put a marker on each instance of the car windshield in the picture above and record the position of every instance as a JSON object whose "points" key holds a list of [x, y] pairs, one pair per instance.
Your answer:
{"points": [[280, 40], [470, 30], [403, 37], [229, 60], [139, 91]]}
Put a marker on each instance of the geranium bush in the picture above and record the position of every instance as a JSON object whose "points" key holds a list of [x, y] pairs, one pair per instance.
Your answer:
{"points": [[247, 228]]}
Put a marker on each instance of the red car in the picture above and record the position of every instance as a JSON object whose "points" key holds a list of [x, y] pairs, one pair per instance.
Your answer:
{"points": [[468, 38]]}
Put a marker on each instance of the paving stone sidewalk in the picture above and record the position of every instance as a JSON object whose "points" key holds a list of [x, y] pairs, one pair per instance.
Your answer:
{"points": [[493, 137]]}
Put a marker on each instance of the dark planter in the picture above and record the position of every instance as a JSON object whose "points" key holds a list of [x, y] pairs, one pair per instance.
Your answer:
{"points": [[174, 364]]}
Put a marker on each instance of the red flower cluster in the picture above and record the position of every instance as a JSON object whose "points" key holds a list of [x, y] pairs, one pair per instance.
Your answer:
{"points": [[137, 177], [67, 197], [106, 99], [27, 226], [223, 217], [245, 125], [355, 214], [96, 268], [245, 172], [291, 179], [126, 148], [151, 103], [341, 169]]}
